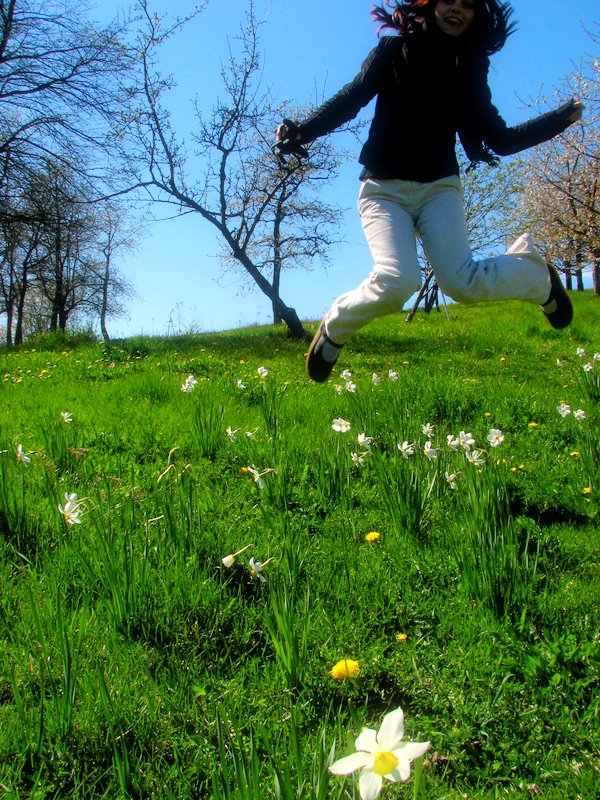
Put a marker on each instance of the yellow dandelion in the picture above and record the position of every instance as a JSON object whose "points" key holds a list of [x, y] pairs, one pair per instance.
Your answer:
{"points": [[487, 414], [587, 490], [575, 454], [401, 637], [533, 424], [346, 668], [372, 536]]}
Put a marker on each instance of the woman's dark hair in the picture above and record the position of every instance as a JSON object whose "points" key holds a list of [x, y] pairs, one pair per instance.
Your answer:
{"points": [[491, 24]]}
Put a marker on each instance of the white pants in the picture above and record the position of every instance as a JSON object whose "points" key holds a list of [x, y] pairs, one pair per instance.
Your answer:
{"points": [[393, 213]]}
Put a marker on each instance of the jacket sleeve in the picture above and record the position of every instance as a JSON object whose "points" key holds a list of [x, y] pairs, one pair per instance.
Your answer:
{"points": [[346, 104], [505, 140]]}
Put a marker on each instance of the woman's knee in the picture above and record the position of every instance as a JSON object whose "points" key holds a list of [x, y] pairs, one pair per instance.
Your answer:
{"points": [[474, 282], [392, 289]]}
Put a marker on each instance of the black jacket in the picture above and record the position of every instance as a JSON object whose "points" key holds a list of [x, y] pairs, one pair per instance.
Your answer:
{"points": [[428, 89]]}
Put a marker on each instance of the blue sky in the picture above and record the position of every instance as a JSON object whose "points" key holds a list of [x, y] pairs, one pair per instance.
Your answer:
{"points": [[310, 49]]}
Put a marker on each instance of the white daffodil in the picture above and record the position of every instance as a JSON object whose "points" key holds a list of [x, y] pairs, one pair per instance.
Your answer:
{"points": [[407, 449], [452, 442], [376, 379], [580, 352], [475, 457], [257, 476], [365, 441], [427, 429], [381, 754], [450, 479], [430, 451], [252, 434], [240, 384], [495, 437], [262, 372], [564, 409], [229, 561], [71, 510], [188, 385], [66, 417], [350, 387], [231, 432], [340, 425], [256, 568], [579, 414], [393, 376], [588, 367], [466, 440], [345, 375], [596, 356], [22, 457], [358, 458]]}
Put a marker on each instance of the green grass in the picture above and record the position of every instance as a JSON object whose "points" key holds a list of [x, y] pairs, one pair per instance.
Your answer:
{"points": [[135, 664]]}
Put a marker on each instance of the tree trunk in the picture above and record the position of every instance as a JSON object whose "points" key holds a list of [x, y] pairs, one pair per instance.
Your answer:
{"points": [[596, 277], [9, 322], [579, 270], [568, 278], [18, 337], [286, 314], [104, 302], [422, 293], [276, 283]]}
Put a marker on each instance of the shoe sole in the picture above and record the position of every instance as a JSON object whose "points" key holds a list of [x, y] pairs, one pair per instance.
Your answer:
{"points": [[563, 315], [320, 371]]}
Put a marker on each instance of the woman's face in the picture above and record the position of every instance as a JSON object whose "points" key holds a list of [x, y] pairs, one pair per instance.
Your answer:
{"points": [[454, 17]]}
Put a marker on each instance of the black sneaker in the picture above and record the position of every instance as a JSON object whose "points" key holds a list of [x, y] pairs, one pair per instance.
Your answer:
{"points": [[557, 308], [317, 367]]}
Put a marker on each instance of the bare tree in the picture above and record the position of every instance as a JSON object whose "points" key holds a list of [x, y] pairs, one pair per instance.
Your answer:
{"points": [[109, 289], [62, 83], [63, 244], [263, 210], [283, 223], [21, 228]]}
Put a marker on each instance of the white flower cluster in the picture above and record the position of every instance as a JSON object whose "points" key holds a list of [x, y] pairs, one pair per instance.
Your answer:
{"points": [[189, 384]]}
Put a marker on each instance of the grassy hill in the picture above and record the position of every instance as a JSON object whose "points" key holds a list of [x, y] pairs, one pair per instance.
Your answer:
{"points": [[141, 657]]}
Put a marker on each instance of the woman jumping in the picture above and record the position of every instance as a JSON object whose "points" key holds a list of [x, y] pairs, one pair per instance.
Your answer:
{"points": [[430, 81]]}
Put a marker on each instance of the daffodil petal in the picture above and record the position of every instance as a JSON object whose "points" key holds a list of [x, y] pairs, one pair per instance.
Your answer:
{"points": [[367, 740], [406, 754], [370, 784], [395, 775], [344, 766], [412, 750], [391, 730]]}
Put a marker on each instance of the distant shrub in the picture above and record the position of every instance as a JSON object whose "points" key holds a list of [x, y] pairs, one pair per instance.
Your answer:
{"points": [[61, 340]]}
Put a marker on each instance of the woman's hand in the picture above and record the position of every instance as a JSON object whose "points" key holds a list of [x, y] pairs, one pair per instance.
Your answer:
{"points": [[288, 130], [577, 112], [287, 142]]}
